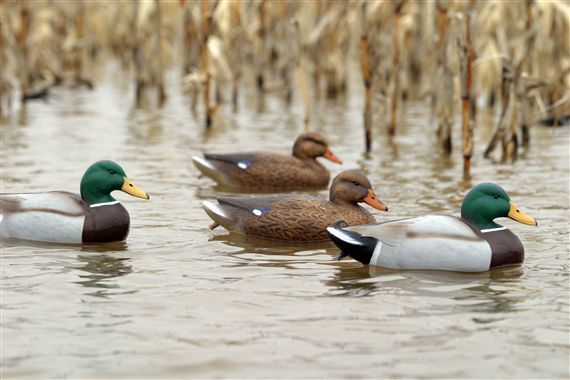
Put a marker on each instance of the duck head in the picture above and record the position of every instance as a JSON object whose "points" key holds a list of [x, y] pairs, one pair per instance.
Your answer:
{"points": [[102, 178], [352, 187], [311, 146], [488, 201]]}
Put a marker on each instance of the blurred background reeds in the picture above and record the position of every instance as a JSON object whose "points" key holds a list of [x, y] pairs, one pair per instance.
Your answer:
{"points": [[458, 56]]}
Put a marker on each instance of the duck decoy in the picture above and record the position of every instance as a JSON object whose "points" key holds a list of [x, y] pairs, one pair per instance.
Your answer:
{"points": [[298, 217], [264, 171], [471, 243], [63, 217]]}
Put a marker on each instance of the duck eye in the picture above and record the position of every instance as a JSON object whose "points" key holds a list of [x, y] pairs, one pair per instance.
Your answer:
{"points": [[496, 196], [111, 171]]}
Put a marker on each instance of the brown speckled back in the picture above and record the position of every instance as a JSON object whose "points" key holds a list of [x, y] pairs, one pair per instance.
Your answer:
{"points": [[267, 172], [272, 172], [300, 218]]}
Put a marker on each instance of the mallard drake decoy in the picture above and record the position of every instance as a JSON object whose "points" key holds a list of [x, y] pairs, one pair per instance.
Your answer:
{"points": [[263, 171], [63, 217], [472, 243], [301, 217]]}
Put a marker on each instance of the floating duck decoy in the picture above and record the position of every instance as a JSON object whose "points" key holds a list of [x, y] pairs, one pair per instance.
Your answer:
{"points": [[472, 243], [264, 171], [301, 217], [63, 217]]}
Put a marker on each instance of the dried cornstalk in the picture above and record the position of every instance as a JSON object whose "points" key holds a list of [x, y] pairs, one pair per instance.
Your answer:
{"points": [[507, 83], [367, 79], [364, 57], [23, 44], [529, 55], [444, 90], [466, 48], [236, 72], [261, 51], [159, 76], [510, 141], [204, 61], [80, 36], [305, 92], [138, 58], [396, 69]]}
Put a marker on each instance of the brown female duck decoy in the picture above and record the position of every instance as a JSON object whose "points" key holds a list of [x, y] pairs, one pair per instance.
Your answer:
{"points": [[263, 171], [298, 217]]}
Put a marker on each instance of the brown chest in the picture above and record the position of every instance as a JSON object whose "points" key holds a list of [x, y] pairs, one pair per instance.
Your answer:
{"points": [[506, 248], [106, 223]]}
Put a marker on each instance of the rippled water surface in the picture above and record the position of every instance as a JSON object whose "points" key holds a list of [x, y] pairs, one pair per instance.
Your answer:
{"points": [[179, 300]]}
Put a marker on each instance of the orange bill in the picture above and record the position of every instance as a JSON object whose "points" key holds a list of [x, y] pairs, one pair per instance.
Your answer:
{"points": [[329, 155], [373, 201]]}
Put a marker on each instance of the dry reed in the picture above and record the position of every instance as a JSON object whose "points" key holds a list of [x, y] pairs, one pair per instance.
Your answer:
{"points": [[512, 54]]}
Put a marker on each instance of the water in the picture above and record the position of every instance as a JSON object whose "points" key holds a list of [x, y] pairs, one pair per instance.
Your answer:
{"points": [[179, 300]]}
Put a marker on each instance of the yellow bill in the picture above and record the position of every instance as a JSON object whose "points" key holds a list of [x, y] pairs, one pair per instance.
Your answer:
{"points": [[130, 188], [521, 217]]}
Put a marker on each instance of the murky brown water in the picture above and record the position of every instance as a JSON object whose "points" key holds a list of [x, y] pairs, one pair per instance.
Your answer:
{"points": [[178, 300]]}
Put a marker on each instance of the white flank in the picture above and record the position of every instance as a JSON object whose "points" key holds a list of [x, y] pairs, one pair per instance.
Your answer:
{"points": [[493, 229], [343, 236], [429, 242], [104, 204], [32, 223]]}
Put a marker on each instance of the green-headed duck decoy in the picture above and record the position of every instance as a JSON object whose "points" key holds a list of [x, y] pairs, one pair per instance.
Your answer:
{"points": [[472, 243], [62, 217]]}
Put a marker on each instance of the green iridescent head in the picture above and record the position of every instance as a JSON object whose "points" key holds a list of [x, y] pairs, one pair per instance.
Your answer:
{"points": [[102, 178], [488, 201]]}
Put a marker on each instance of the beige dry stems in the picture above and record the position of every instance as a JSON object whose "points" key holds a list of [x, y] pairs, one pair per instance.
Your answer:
{"points": [[458, 54]]}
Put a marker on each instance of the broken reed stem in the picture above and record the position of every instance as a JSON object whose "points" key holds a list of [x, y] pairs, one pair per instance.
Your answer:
{"points": [[305, 92], [510, 141], [80, 35], [528, 56], [159, 81], [190, 35], [466, 104], [500, 127], [364, 58], [204, 61], [396, 70], [236, 72], [137, 57], [262, 48], [23, 43], [444, 93], [235, 91]]}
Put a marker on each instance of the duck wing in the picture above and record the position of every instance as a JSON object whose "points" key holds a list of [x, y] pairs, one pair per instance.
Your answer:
{"points": [[57, 202], [428, 242], [241, 160], [52, 216], [394, 232], [257, 205]]}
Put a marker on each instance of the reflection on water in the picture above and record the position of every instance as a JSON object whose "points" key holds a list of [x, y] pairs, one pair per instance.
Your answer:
{"points": [[180, 299], [100, 268]]}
